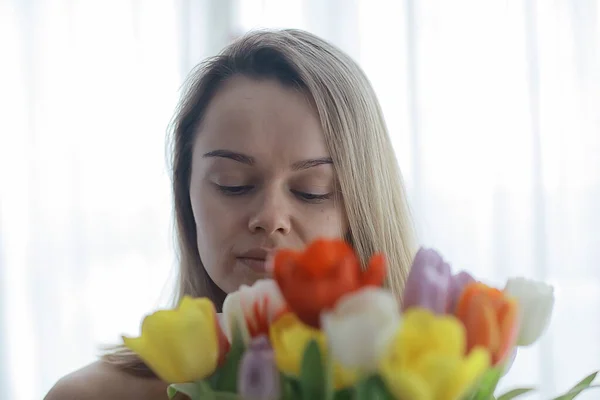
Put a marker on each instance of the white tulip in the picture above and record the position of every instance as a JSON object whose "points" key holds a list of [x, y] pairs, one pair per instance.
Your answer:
{"points": [[536, 301], [360, 327], [239, 306]]}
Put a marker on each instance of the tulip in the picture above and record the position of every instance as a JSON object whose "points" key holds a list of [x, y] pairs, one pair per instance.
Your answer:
{"points": [[289, 337], [258, 377], [360, 327], [458, 283], [312, 281], [491, 320], [426, 358], [252, 309], [181, 345], [428, 283], [431, 285], [536, 301]]}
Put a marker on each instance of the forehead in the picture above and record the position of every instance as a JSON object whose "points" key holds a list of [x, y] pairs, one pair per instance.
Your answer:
{"points": [[262, 118]]}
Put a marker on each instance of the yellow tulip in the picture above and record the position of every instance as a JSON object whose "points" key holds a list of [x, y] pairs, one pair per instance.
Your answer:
{"points": [[344, 376], [426, 359], [181, 345], [289, 338]]}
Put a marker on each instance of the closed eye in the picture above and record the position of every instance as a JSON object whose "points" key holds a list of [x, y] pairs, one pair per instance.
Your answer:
{"points": [[311, 197], [244, 189], [234, 190]]}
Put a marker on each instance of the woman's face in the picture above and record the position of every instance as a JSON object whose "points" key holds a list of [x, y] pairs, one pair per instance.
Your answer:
{"points": [[261, 180]]}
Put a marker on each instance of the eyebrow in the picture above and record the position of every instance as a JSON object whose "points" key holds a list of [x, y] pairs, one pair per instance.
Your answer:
{"points": [[249, 160], [305, 164], [239, 157]]}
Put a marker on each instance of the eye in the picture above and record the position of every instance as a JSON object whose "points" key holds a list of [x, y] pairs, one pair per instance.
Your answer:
{"points": [[234, 190], [312, 197]]}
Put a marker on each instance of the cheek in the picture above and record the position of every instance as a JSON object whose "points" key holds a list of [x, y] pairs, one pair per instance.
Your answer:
{"points": [[201, 204], [215, 222], [327, 222]]}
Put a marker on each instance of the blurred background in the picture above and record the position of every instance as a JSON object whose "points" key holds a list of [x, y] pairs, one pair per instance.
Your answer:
{"points": [[493, 107]]}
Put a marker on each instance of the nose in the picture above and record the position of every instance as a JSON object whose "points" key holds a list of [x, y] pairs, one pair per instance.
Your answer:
{"points": [[271, 214]]}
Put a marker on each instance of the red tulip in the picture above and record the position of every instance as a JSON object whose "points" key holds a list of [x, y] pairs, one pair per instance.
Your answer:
{"points": [[312, 281]]}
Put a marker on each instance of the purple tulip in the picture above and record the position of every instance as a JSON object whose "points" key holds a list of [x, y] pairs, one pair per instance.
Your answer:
{"points": [[258, 377], [429, 283], [457, 285]]}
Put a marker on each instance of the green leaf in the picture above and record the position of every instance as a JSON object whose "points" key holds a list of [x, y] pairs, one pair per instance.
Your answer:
{"points": [[587, 381], [347, 393], [290, 387], [192, 390], [372, 388], [313, 380], [514, 393], [226, 377], [328, 379], [487, 385], [571, 394], [574, 393], [224, 396], [584, 384]]}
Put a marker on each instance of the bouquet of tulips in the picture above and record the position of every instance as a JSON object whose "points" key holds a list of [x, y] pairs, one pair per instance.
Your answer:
{"points": [[325, 328]]}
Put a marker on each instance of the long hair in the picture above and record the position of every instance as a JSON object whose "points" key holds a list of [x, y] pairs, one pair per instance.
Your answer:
{"points": [[355, 135]]}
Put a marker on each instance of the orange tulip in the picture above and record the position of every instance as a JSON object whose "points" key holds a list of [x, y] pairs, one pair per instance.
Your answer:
{"points": [[490, 318], [312, 281]]}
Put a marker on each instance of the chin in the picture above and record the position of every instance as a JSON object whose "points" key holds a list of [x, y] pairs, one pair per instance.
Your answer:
{"points": [[250, 277], [236, 279]]}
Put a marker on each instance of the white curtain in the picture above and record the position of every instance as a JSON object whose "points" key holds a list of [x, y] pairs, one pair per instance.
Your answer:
{"points": [[493, 107], [87, 91]]}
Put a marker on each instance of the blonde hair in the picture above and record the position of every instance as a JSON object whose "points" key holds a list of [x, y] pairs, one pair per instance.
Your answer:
{"points": [[355, 133]]}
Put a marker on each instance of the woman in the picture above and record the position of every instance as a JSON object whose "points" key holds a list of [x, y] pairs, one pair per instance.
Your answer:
{"points": [[277, 141]]}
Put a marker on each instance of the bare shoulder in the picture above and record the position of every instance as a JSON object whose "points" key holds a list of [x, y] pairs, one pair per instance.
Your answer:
{"points": [[99, 381]]}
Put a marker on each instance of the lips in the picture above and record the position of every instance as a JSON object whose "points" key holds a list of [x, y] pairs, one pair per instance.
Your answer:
{"points": [[259, 266], [256, 259]]}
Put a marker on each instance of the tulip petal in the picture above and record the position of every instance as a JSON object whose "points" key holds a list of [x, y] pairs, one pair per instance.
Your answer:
{"points": [[360, 327], [536, 302], [428, 283], [466, 374], [457, 284], [481, 324], [426, 359], [180, 345], [344, 377], [435, 368], [324, 255], [406, 384], [508, 317], [253, 308], [258, 376], [375, 273], [425, 330], [233, 314], [490, 319], [312, 281], [153, 356], [289, 338]]}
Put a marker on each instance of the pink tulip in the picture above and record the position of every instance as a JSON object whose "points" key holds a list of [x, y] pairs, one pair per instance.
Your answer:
{"points": [[429, 283], [258, 377]]}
